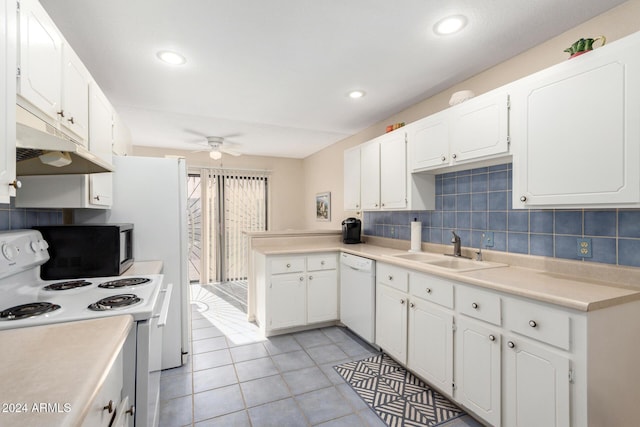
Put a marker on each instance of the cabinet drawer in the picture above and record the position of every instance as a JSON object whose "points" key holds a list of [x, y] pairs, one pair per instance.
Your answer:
{"points": [[321, 262], [395, 277], [539, 322], [431, 288], [287, 265], [478, 304]]}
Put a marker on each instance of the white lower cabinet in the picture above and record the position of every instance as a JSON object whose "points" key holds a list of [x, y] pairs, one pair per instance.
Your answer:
{"points": [[430, 344], [103, 410], [295, 291], [537, 388], [391, 322], [478, 368]]}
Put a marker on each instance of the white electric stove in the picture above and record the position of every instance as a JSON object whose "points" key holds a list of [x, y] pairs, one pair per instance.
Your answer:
{"points": [[26, 300]]}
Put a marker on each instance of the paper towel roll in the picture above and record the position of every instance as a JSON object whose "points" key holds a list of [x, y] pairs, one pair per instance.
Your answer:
{"points": [[416, 236]]}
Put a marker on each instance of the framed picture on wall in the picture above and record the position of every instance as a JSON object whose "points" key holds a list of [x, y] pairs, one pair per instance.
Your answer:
{"points": [[323, 206]]}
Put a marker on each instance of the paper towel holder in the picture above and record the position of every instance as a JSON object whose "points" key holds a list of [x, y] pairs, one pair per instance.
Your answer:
{"points": [[416, 236]]}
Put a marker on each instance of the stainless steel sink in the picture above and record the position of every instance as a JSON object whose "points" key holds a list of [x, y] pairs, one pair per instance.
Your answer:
{"points": [[447, 262]]}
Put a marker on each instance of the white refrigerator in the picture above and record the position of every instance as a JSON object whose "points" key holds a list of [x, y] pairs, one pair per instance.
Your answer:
{"points": [[151, 193]]}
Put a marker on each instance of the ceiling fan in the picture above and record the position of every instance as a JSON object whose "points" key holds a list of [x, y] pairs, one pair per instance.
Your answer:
{"points": [[217, 146]]}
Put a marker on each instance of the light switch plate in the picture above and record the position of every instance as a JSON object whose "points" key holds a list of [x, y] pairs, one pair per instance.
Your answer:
{"points": [[584, 248]]}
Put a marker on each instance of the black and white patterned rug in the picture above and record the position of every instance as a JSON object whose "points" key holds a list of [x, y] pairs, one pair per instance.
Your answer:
{"points": [[396, 395]]}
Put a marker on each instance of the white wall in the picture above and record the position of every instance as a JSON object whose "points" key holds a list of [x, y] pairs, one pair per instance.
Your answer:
{"points": [[323, 171]]}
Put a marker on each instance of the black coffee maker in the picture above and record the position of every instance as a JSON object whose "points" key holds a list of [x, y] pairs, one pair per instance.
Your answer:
{"points": [[351, 230]]}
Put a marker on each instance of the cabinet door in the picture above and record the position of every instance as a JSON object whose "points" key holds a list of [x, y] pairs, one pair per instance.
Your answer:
{"points": [[370, 175], [322, 296], [40, 59], [7, 99], [578, 131], [477, 368], [536, 385], [75, 94], [286, 301], [352, 179], [121, 137], [480, 127], [429, 142], [393, 171], [101, 189], [391, 322], [101, 119], [430, 344]]}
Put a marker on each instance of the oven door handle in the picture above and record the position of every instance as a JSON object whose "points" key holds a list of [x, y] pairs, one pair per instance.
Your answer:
{"points": [[164, 311]]}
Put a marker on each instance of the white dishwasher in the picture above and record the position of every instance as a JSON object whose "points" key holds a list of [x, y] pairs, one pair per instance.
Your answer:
{"points": [[358, 295]]}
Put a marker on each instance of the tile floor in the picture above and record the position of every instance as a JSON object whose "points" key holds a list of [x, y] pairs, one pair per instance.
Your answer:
{"points": [[235, 377]]}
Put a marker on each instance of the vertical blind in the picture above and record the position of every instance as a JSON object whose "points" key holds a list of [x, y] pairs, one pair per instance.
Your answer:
{"points": [[233, 201]]}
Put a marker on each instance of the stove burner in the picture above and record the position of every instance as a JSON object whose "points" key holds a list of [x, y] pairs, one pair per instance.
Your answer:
{"points": [[63, 286], [27, 310], [115, 302], [121, 283]]}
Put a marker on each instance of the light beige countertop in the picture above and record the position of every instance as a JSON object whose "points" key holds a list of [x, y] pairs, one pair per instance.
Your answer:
{"points": [[63, 365], [572, 284], [143, 268]]}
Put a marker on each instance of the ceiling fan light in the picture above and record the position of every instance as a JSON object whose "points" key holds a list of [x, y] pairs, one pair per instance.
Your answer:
{"points": [[215, 155]]}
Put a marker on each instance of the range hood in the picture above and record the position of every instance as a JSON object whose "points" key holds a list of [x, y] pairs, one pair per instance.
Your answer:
{"points": [[36, 138]]}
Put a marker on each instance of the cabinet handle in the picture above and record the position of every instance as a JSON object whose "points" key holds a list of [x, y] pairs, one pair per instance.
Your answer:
{"points": [[321, 262], [16, 184], [60, 113], [454, 156], [523, 198], [492, 337], [357, 206], [402, 301], [532, 323], [428, 290], [443, 158], [375, 205], [412, 305], [310, 277], [383, 205], [70, 120], [288, 265], [109, 407], [301, 278], [97, 198], [390, 277], [131, 411], [510, 344], [474, 305]]}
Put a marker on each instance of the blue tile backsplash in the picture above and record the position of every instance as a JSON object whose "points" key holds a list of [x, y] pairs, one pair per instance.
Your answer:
{"points": [[12, 218], [479, 200]]}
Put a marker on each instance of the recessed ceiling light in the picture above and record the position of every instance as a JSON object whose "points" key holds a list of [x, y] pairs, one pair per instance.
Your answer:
{"points": [[355, 94], [450, 25], [170, 57]]}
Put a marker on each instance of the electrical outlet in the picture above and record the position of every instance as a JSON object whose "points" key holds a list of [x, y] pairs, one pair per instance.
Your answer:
{"points": [[584, 248], [392, 232], [487, 239]]}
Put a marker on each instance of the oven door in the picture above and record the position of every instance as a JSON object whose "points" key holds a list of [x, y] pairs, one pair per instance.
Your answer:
{"points": [[149, 361]]}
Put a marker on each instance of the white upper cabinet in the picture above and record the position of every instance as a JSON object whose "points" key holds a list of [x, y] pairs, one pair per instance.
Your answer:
{"points": [[576, 131], [476, 130], [101, 119], [7, 99], [40, 59], [370, 175], [429, 139], [352, 178], [480, 127], [75, 94], [393, 171]]}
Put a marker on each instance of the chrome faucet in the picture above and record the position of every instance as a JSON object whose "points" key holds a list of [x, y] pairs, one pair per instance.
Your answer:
{"points": [[456, 244]]}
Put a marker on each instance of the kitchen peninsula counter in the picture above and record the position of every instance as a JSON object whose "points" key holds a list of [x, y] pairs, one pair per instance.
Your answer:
{"points": [[51, 374], [572, 284]]}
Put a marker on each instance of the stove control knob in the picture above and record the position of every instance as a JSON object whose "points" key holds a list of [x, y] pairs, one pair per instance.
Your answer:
{"points": [[8, 251], [35, 246], [43, 245]]}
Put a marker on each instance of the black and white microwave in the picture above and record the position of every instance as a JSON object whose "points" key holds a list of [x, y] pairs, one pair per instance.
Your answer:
{"points": [[91, 250]]}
